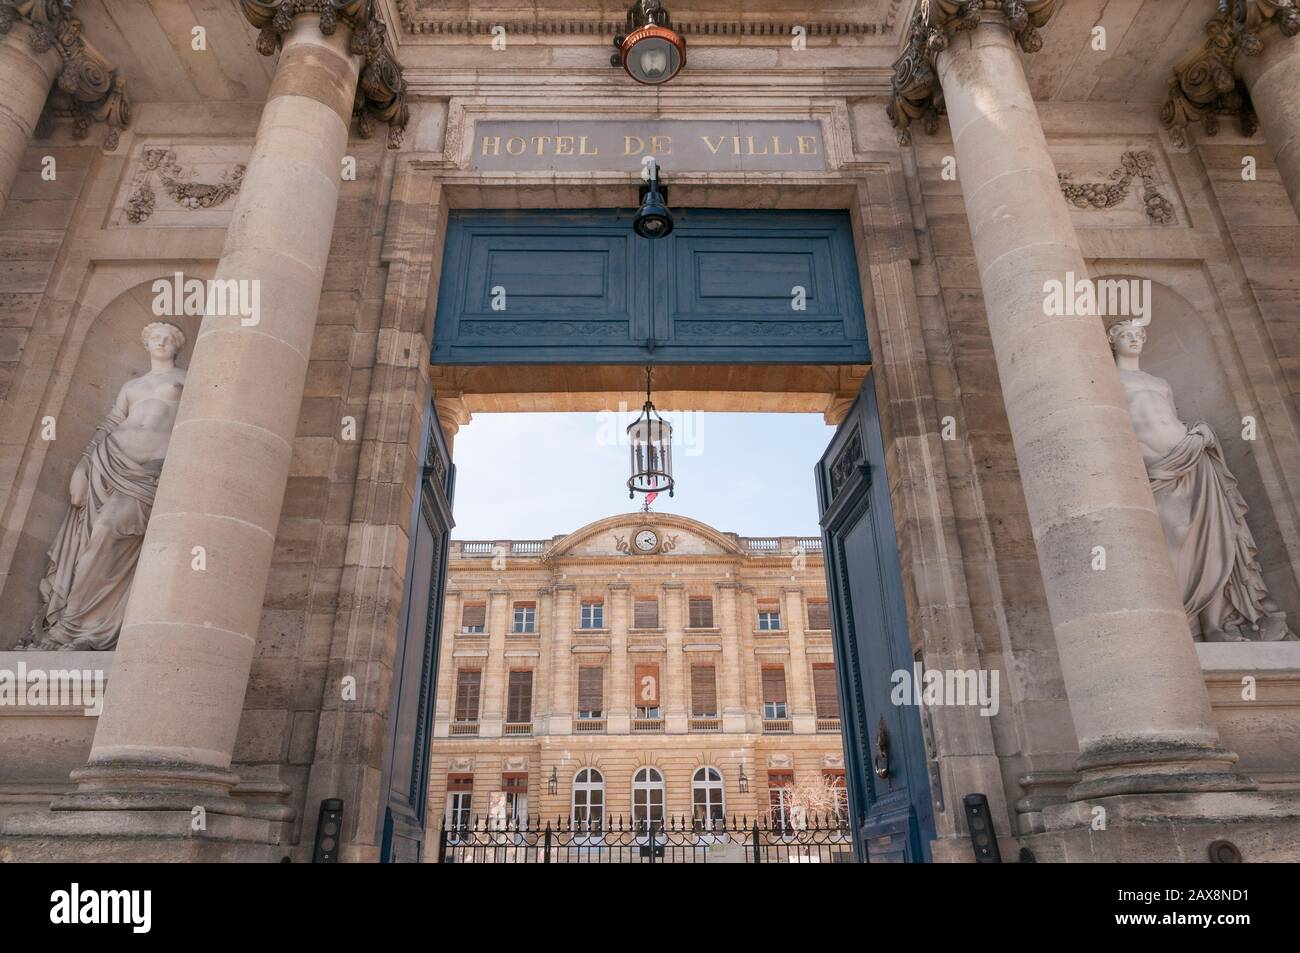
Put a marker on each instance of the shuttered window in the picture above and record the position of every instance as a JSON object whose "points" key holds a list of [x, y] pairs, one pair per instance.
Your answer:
{"points": [[647, 685], [473, 617], [704, 692], [591, 691], [819, 614], [774, 701], [519, 698], [828, 699], [467, 690], [645, 614], [701, 612]]}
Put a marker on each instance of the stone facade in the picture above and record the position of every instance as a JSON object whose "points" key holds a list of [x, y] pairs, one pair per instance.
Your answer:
{"points": [[1007, 443]]}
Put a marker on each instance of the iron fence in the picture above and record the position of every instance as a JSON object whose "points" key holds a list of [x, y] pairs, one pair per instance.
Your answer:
{"points": [[681, 840]]}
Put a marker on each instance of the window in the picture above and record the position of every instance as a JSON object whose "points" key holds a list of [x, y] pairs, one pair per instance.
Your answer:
{"points": [[704, 692], [593, 615], [460, 797], [824, 690], [647, 689], [701, 614], [473, 617], [467, 691], [525, 617], [515, 785], [591, 691], [519, 698], [819, 614], [780, 800], [708, 805], [769, 615], [588, 813], [774, 706], [647, 800], [645, 614]]}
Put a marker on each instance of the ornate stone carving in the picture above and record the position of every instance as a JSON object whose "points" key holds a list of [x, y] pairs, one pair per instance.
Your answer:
{"points": [[1205, 84], [916, 92], [1132, 164], [88, 88], [381, 91], [186, 193]]}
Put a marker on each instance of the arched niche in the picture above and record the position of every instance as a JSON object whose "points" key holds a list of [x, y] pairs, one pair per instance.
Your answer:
{"points": [[110, 354], [1181, 349]]}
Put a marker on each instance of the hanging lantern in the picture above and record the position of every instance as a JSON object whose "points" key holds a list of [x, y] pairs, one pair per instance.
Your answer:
{"points": [[650, 438]]}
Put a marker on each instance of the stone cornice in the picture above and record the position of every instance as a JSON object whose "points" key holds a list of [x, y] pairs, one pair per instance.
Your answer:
{"points": [[89, 87], [916, 91], [1205, 82], [381, 90]]}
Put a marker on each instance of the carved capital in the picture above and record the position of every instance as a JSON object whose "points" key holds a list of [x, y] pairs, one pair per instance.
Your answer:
{"points": [[916, 91], [1205, 82], [89, 87], [381, 91]]}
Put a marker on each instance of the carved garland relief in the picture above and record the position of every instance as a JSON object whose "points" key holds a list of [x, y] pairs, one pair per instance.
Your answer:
{"points": [[1133, 164], [178, 184]]}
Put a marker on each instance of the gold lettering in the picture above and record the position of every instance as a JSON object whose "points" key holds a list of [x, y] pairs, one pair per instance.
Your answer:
{"points": [[776, 148], [541, 143], [735, 145], [807, 145], [627, 145], [496, 145], [661, 145], [564, 145], [750, 139], [713, 148], [582, 148], [510, 146]]}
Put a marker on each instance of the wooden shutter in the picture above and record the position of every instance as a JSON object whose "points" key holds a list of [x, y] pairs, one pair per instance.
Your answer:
{"points": [[828, 699], [646, 614], [591, 688], [519, 700], [819, 614], [701, 612], [515, 781], [647, 685], [473, 614], [460, 782], [773, 684], [704, 691], [467, 688]]}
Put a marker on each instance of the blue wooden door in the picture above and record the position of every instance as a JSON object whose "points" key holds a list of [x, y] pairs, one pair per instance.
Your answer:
{"points": [[405, 781], [727, 286], [884, 752]]}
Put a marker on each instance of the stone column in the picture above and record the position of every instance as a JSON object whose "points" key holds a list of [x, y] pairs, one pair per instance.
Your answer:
{"points": [[562, 696], [802, 714], [1140, 707], [620, 691], [167, 734], [494, 671], [732, 673], [676, 675], [545, 671], [26, 74], [446, 672], [1273, 78]]}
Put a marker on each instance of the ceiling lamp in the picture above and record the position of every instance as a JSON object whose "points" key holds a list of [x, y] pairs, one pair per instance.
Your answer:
{"points": [[651, 52], [651, 440]]}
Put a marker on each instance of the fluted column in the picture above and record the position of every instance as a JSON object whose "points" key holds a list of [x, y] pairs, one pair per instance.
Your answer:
{"points": [[1273, 78], [674, 680], [1135, 688], [620, 691], [26, 74], [167, 734]]}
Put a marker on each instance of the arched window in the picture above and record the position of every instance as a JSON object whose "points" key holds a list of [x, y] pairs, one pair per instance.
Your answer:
{"points": [[588, 801], [647, 799], [708, 799]]}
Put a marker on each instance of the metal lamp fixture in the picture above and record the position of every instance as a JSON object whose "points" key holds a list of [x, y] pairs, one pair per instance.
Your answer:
{"points": [[743, 781], [651, 440], [553, 784], [651, 52], [653, 220]]}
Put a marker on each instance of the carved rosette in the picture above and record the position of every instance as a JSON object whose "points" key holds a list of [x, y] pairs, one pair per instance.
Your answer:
{"points": [[89, 87], [381, 91], [1205, 83], [916, 91]]}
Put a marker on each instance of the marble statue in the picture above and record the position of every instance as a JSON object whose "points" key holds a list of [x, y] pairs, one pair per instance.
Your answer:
{"points": [[94, 554], [1200, 507]]}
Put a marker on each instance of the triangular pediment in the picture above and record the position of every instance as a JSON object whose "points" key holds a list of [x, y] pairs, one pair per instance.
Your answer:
{"points": [[645, 534]]}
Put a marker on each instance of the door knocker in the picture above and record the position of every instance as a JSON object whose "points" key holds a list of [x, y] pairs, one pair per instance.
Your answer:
{"points": [[881, 761]]}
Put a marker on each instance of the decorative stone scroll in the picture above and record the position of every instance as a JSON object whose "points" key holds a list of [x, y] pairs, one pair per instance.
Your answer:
{"points": [[89, 87], [178, 185], [381, 91], [1205, 83], [1132, 164], [916, 91]]}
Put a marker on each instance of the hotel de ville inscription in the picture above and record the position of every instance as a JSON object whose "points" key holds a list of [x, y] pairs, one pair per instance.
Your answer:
{"points": [[682, 145]]}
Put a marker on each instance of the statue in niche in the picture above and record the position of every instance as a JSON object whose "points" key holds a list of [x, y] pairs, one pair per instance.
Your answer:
{"points": [[1201, 509], [94, 554]]}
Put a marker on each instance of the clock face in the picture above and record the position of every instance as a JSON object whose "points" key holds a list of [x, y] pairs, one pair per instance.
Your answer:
{"points": [[646, 540]]}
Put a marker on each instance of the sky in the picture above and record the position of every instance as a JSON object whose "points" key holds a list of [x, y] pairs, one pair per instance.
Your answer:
{"points": [[534, 476]]}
